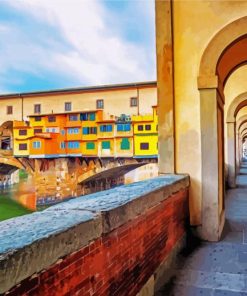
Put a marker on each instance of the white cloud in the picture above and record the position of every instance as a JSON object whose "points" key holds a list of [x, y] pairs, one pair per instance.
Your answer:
{"points": [[96, 53]]}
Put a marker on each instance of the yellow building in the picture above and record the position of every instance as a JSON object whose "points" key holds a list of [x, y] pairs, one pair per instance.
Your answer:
{"points": [[21, 138], [90, 132], [146, 135], [106, 137], [123, 136]]}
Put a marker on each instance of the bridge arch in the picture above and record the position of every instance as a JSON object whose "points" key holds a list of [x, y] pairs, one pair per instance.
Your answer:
{"points": [[10, 164], [225, 52], [6, 135]]}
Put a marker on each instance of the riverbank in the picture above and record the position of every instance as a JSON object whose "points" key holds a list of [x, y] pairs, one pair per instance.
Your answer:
{"points": [[10, 208]]}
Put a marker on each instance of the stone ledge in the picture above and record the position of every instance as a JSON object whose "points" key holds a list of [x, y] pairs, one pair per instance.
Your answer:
{"points": [[33, 242]]}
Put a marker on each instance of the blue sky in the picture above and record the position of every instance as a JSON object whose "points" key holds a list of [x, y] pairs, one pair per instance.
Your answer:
{"points": [[48, 44]]}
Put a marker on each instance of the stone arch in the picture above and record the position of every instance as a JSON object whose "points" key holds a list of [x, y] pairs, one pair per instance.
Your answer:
{"points": [[239, 102], [6, 135], [234, 154], [105, 172], [243, 131], [218, 45], [225, 52], [243, 126], [242, 120]]}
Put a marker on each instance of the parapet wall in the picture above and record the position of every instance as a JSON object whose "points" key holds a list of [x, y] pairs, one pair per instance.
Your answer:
{"points": [[116, 242]]}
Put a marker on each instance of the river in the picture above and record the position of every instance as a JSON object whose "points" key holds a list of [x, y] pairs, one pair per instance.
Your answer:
{"points": [[20, 199]]}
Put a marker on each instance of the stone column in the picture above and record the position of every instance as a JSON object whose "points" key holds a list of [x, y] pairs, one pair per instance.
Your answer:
{"points": [[237, 153], [212, 187], [165, 78], [231, 157]]}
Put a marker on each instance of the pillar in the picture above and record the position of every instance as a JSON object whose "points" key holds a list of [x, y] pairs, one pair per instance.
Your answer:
{"points": [[237, 153], [165, 85], [231, 154], [212, 165]]}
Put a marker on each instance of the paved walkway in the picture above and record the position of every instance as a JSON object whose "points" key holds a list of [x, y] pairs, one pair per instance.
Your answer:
{"points": [[215, 269]]}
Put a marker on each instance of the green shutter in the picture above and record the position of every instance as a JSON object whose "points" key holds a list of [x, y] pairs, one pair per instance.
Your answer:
{"points": [[106, 145], [125, 144], [90, 146], [92, 116]]}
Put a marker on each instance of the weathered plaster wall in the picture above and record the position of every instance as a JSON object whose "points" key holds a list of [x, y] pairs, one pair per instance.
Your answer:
{"points": [[194, 24], [111, 243]]}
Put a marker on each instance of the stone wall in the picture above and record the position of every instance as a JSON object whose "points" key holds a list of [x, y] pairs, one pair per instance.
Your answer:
{"points": [[122, 241]]}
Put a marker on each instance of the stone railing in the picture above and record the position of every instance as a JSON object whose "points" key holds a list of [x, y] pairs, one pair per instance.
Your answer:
{"points": [[117, 242]]}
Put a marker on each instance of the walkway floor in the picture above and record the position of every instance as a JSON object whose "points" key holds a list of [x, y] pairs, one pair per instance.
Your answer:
{"points": [[215, 269]]}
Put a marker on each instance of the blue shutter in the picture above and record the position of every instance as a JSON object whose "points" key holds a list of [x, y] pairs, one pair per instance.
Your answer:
{"points": [[92, 116], [127, 127]]}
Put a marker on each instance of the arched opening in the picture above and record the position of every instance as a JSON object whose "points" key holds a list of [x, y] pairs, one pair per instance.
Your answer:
{"points": [[6, 136], [223, 55], [233, 152]]}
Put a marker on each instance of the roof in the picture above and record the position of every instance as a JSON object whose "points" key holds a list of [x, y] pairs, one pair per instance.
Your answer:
{"points": [[82, 89]]}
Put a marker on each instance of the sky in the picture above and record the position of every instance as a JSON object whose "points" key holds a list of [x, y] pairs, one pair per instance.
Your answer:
{"points": [[50, 44]]}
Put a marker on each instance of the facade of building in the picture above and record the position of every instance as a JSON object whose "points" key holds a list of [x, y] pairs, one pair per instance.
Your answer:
{"points": [[86, 134], [131, 98], [107, 121]]}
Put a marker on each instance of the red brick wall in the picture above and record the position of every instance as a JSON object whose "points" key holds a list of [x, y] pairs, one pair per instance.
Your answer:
{"points": [[118, 263]]}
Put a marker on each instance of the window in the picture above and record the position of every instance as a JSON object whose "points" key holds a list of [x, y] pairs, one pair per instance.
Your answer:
{"points": [[38, 118], [67, 106], [52, 118], [37, 130], [92, 116], [106, 145], [148, 127], [100, 104], [37, 108], [126, 127], [144, 146], [9, 110], [36, 144], [63, 132], [140, 127], [73, 145], [22, 146], [90, 146], [84, 117], [74, 130], [89, 130], [133, 102], [73, 117], [22, 132], [125, 144], [62, 145], [106, 128]]}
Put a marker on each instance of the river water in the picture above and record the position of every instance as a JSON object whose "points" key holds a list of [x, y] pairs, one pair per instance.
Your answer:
{"points": [[20, 198]]}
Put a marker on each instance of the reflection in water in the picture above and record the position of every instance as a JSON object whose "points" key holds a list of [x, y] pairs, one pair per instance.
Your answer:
{"points": [[22, 193], [20, 199]]}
